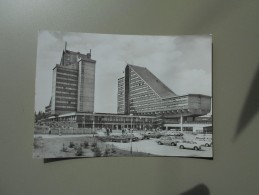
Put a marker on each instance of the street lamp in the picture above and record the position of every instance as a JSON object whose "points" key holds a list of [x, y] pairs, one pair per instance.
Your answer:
{"points": [[83, 122], [140, 123], [93, 123], [131, 135]]}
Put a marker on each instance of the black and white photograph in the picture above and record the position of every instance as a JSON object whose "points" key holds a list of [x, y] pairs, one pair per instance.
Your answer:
{"points": [[108, 95]]}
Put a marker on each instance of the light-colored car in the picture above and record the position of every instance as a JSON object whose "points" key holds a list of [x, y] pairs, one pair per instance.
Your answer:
{"points": [[174, 133], [204, 141], [189, 145], [169, 140], [152, 134], [139, 136], [204, 136]]}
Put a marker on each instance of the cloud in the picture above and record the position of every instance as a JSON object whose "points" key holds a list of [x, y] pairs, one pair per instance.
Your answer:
{"points": [[183, 63]]}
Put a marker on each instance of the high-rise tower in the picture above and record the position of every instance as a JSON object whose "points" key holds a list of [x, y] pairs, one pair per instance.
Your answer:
{"points": [[140, 92], [73, 84]]}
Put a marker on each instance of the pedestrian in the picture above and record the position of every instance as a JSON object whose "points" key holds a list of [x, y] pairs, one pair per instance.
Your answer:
{"points": [[49, 131]]}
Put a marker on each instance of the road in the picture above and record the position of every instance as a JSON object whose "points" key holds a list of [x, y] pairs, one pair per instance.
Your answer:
{"points": [[150, 146]]}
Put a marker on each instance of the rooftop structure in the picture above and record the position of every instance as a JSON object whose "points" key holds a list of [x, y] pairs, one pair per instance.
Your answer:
{"points": [[73, 84], [144, 94]]}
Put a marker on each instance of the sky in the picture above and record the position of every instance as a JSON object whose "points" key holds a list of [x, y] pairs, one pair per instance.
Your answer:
{"points": [[183, 63]]}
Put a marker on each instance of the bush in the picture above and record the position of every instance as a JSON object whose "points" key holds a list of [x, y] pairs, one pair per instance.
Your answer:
{"points": [[79, 151], [107, 151], [94, 145], [85, 144], [64, 149], [113, 150], [97, 152], [71, 145]]}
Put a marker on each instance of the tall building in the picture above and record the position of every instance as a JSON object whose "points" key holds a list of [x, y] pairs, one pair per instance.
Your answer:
{"points": [[144, 94], [73, 84]]}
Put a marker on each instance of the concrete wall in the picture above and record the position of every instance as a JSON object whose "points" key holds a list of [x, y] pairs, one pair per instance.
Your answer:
{"points": [[199, 102], [86, 87]]}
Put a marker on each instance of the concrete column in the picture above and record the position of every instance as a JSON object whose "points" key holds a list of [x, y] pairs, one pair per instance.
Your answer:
{"points": [[181, 121]]}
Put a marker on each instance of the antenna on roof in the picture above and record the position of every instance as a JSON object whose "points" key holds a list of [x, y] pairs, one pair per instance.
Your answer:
{"points": [[88, 55], [65, 46]]}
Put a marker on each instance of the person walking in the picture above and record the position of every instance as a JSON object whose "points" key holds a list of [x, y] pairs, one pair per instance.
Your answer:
{"points": [[49, 131]]}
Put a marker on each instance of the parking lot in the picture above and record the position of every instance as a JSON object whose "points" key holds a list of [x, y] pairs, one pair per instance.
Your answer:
{"points": [[150, 146]]}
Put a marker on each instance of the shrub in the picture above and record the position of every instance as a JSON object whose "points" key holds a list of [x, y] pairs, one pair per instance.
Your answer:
{"points": [[94, 145], [113, 150], [97, 152], [107, 151], [64, 149], [79, 151], [71, 145], [86, 144]]}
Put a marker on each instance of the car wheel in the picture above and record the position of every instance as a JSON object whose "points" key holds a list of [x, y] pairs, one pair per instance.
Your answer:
{"points": [[173, 144], [196, 148], [136, 138], [207, 145], [159, 143], [181, 147]]}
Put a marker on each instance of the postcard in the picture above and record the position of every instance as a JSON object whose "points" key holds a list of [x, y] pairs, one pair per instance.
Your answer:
{"points": [[108, 95]]}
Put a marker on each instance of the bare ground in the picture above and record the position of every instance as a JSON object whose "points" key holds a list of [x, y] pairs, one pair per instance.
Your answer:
{"points": [[58, 147]]}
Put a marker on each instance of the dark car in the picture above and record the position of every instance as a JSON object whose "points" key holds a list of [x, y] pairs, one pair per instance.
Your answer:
{"points": [[152, 134], [169, 140], [133, 137], [122, 139]]}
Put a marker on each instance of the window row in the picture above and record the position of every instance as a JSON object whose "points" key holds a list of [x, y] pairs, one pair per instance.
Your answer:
{"points": [[66, 84]]}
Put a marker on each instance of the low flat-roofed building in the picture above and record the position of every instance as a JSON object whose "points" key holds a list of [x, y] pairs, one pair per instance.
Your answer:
{"points": [[107, 120]]}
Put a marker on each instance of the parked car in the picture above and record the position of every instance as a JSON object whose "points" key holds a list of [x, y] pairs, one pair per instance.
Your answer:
{"points": [[173, 133], [204, 136], [132, 136], [139, 136], [189, 145], [169, 140], [122, 139], [152, 134], [203, 141]]}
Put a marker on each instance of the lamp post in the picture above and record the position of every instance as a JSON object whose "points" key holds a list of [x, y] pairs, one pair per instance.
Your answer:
{"points": [[131, 134], [140, 124], [83, 122], [93, 122], [181, 121]]}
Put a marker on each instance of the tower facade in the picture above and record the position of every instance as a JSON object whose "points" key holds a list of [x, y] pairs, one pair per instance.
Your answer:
{"points": [[144, 94], [73, 84], [121, 96]]}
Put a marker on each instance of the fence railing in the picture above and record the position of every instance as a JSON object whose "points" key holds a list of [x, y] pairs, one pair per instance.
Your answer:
{"points": [[74, 131]]}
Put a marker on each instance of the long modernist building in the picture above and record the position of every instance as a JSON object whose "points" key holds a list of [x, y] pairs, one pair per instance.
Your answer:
{"points": [[141, 93], [144, 101]]}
